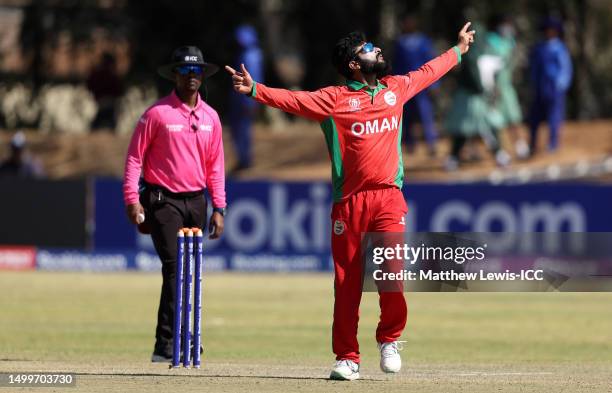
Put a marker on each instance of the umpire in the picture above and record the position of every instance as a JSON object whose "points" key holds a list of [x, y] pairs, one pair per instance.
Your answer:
{"points": [[178, 147]]}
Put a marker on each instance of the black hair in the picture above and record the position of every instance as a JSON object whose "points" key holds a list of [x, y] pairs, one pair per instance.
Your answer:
{"points": [[344, 52]]}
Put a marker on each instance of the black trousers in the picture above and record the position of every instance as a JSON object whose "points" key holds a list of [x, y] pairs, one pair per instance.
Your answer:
{"points": [[167, 213]]}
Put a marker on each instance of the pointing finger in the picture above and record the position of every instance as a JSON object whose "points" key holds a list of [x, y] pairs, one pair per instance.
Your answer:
{"points": [[465, 27], [230, 70]]}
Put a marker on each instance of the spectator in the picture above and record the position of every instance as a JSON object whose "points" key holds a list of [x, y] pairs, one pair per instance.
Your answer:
{"points": [[473, 112], [20, 163], [243, 109], [106, 86], [413, 49], [500, 42], [551, 75]]}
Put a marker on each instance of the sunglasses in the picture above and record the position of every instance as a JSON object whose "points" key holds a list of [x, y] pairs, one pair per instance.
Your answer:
{"points": [[186, 69], [366, 48]]}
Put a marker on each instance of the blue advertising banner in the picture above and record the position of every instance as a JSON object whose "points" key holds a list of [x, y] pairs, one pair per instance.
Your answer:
{"points": [[286, 226]]}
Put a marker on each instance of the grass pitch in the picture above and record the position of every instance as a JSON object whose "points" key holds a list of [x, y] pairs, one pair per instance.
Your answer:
{"points": [[271, 333]]}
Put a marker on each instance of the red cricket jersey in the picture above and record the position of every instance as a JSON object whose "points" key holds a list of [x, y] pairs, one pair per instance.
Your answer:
{"points": [[362, 126]]}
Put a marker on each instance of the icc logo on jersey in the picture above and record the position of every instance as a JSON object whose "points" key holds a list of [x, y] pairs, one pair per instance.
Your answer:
{"points": [[354, 104]]}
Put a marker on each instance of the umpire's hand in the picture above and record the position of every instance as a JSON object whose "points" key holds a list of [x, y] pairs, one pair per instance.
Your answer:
{"points": [[216, 225], [133, 211]]}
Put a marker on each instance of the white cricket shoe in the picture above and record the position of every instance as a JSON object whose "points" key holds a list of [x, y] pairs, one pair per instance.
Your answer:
{"points": [[345, 370], [390, 359]]}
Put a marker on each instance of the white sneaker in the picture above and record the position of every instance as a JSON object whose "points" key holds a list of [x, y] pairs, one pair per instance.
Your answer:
{"points": [[522, 149], [345, 370], [502, 159], [390, 359]]}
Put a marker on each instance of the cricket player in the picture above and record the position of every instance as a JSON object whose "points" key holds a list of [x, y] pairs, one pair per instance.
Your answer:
{"points": [[361, 122]]}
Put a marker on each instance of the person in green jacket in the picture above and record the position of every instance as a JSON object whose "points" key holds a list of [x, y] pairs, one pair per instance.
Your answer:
{"points": [[500, 42], [473, 113]]}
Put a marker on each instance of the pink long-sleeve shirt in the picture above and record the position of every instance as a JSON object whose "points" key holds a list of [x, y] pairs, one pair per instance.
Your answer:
{"points": [[179, 148]]}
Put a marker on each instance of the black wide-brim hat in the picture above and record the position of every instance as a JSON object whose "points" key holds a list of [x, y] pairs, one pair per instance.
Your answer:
{"points": [[187, 55]]}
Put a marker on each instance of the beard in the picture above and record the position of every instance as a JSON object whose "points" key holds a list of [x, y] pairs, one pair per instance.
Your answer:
{"points": [[378, 67]]}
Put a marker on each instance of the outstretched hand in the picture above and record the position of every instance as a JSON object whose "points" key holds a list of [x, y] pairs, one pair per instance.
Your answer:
{"points": [[465, 38], [243, 83]]}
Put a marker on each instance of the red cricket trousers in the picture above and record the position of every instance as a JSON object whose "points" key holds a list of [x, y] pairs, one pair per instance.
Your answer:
{"points": [[376, 210]]}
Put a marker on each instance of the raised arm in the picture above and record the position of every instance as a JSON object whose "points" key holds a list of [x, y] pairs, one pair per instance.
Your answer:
{"points": [[316, 105], [430, 72]]}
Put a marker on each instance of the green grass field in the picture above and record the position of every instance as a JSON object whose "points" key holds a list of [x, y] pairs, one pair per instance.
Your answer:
{"points": [[271, 333]]}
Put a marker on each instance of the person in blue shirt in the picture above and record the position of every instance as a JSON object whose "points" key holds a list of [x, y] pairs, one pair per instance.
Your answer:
{"points": [[242, 108], [550, 69], [413, 49]]}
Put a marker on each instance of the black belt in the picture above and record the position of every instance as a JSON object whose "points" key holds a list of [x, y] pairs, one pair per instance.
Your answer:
{"points": [[168, 193]]}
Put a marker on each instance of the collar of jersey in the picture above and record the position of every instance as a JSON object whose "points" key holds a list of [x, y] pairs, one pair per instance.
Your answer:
{"points": [[355, 85], [184, 109]]}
